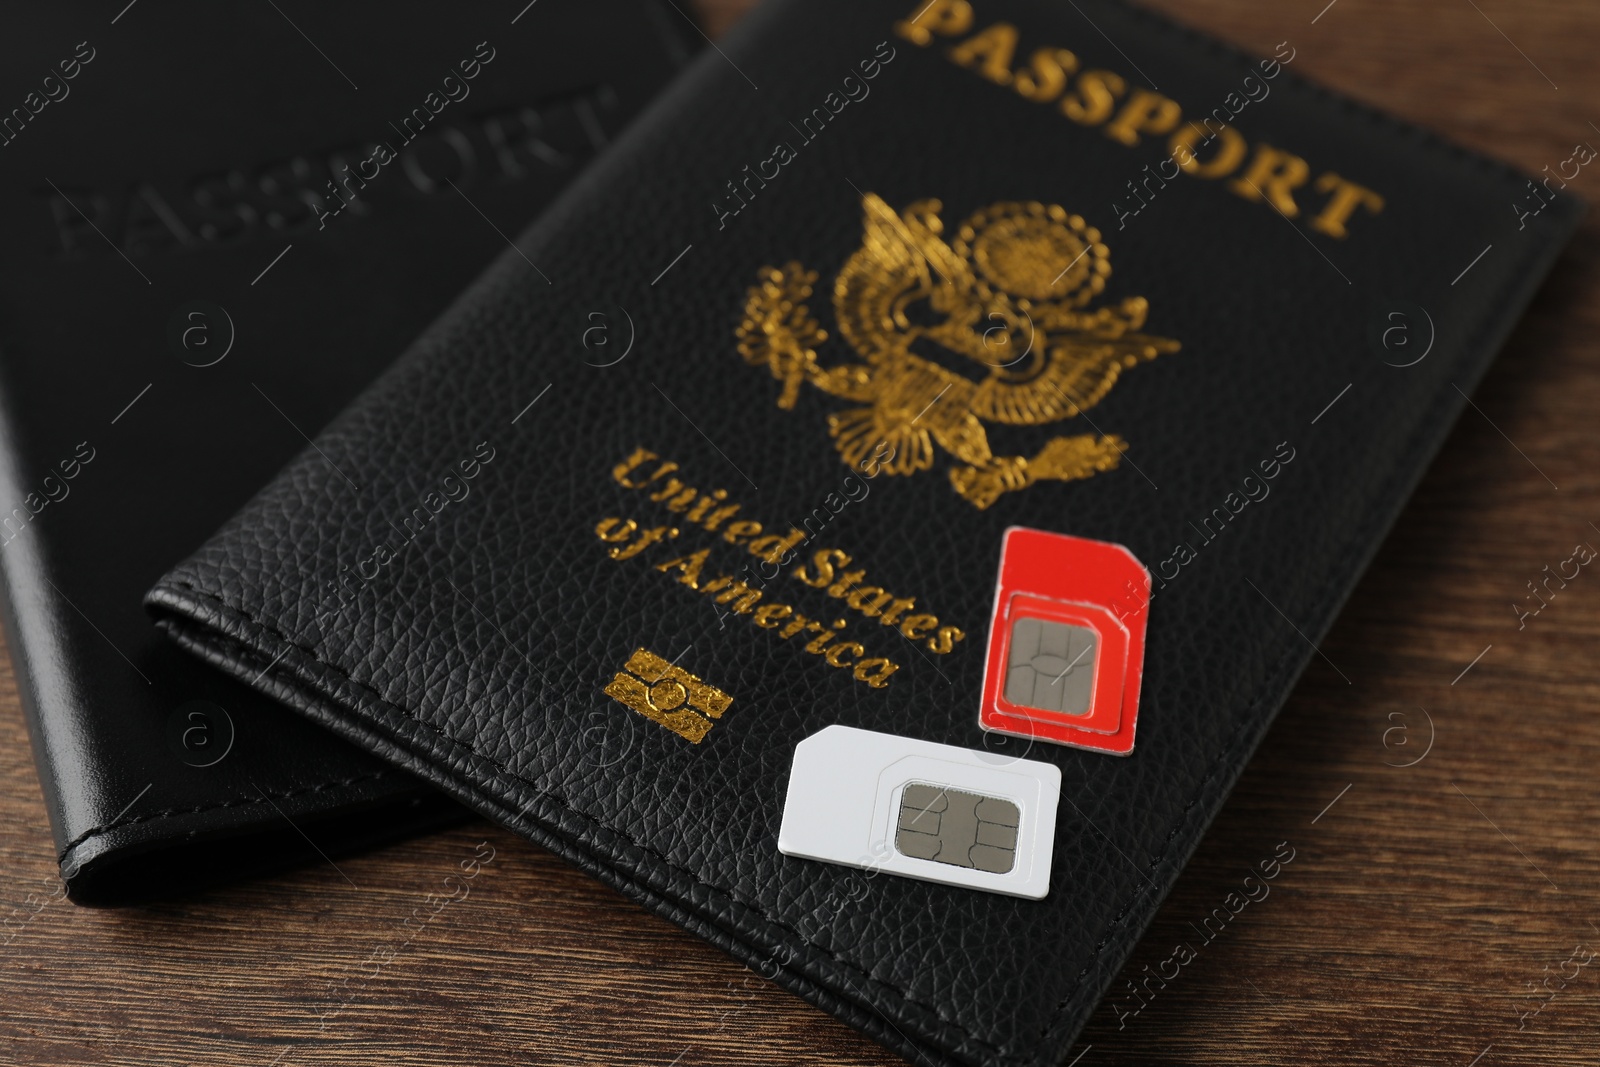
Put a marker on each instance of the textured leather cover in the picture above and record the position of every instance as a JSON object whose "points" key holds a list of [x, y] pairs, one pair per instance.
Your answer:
{"points": [[197, 144], [471, 637]]}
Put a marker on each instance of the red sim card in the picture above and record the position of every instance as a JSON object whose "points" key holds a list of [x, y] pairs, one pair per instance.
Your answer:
{"points": [[1066, 642]]}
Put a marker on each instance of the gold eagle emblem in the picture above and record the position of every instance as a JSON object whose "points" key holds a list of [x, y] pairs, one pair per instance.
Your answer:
{"points": [[994, 326]]}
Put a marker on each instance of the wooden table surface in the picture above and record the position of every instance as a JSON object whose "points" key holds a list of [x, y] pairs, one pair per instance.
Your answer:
{"points": [[1421, 906]]}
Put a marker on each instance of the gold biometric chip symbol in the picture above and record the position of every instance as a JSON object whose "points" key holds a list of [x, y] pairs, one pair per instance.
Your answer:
{"points": [[956, 827], [993, 326], [668, 695]]}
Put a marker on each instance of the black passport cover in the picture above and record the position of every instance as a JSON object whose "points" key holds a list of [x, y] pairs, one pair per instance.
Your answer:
{"points": [[436, 579], [161, 360]]}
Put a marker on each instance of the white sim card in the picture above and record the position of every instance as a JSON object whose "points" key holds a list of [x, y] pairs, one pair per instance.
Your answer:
{"points": [[922, 810]]}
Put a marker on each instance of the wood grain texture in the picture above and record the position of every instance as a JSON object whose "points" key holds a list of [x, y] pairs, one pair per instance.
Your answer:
{"points": [[1415, 912]]}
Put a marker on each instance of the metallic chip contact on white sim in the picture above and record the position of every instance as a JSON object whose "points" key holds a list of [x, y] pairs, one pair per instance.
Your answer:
{"points": [[959, 828], [1050, 666]]}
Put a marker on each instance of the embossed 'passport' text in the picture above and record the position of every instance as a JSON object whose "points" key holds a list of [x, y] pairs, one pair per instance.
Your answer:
{"points": [[1125, 113]]}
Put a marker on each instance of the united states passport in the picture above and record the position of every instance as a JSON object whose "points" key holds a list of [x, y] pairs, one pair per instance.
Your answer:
{"points": [[949, 341]]}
